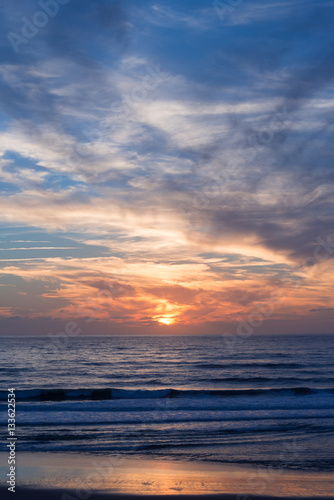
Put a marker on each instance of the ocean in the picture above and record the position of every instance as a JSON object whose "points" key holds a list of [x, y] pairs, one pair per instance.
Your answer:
{"points": [[267, 402]]}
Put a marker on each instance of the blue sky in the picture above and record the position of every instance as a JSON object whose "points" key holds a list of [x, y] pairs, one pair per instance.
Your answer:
{"points": [[166, 164]]}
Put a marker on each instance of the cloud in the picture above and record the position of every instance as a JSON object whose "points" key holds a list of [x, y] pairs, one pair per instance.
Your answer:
{"points": [[322, 309], [185, 160]]}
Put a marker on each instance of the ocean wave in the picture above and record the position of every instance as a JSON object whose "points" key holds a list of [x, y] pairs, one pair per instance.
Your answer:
{"points": [[252, 364], [111, 393]]}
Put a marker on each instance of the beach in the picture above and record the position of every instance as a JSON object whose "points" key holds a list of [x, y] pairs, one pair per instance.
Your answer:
{"points": [[84, 476], [172, 416]]}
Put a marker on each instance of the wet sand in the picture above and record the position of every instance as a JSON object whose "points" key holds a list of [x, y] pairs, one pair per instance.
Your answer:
{"points": [[51, 475]]}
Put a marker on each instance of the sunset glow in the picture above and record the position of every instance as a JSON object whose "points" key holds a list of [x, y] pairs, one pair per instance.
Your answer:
{"points": [[143, 185], [165, 321]]}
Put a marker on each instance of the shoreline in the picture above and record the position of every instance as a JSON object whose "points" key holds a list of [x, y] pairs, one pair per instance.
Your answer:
{"points": [[57, 494], [86, 475]]}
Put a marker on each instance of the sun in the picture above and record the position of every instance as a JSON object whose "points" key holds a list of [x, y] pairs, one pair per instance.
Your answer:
{"points": [[165, 321]]}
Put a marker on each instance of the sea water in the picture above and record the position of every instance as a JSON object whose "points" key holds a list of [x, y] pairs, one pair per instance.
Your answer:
{"points": [[268, 401]]}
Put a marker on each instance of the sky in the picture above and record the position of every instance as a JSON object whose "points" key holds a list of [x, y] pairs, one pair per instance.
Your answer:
{"points": [[166, 167]]}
